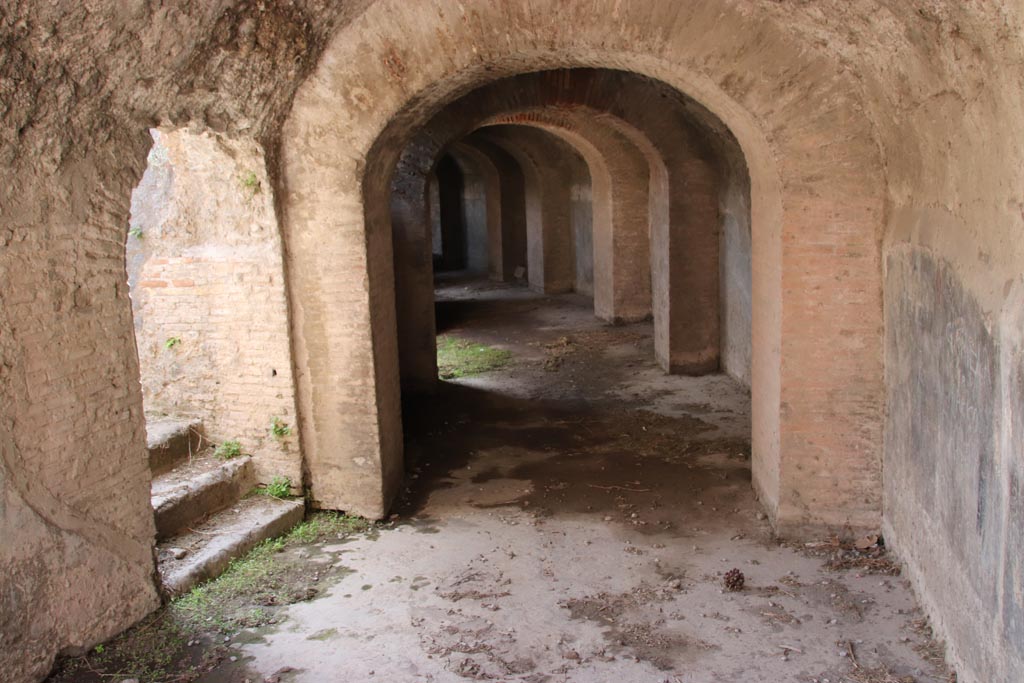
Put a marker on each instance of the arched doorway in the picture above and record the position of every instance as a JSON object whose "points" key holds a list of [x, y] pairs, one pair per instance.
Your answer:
{"points": [[816, 420]]}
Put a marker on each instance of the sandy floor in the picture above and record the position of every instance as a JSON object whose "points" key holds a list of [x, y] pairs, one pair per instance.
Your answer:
{"points": [[570, 518]]}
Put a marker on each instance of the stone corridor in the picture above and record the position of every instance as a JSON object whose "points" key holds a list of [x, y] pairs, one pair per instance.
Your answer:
{"points": [[570, 516], [760, 260]]}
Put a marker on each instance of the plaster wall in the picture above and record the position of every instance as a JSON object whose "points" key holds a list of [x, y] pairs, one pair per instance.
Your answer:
{"points": [[735, 276], [582, 216], [954, 296], [474, 217]]}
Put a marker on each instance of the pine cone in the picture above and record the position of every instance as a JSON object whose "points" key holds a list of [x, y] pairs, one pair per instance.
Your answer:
{"points": [[734, 580]]}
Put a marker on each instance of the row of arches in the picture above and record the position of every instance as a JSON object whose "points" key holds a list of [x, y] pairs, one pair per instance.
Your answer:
{"points": [[624, 187], [847, 114], [813, 240]]}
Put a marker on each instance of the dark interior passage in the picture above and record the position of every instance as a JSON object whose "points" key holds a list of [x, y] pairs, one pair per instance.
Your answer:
{"points": [[451, 220]]}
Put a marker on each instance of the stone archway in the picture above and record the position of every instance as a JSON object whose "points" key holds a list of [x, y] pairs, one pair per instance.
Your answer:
{"points": [[817, 221]]}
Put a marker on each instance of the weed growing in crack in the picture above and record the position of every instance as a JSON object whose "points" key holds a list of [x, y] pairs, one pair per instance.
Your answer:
{"points": [[251, 182], [279, 428], [172, 342], [228, 450], [280, 487]]}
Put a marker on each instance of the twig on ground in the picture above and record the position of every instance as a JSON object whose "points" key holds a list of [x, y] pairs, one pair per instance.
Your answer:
{"points": [[618, 488]]}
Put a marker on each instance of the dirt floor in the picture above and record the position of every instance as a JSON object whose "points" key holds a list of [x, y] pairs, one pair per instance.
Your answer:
{"points": [[571, 516]]}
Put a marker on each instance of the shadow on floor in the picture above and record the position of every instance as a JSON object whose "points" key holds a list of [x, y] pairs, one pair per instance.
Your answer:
{"points": [[467, 446]]}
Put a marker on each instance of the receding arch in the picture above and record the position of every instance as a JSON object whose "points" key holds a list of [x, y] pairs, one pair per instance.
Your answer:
{"points": [[816, 449], [620, 174], [510, 240], [552, 167], [688, 174], [487, 192]]}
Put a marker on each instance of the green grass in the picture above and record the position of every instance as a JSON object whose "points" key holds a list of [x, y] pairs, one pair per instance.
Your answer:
{"points": [[279, 428], [248, 594], [460, 358], [251, 182], [280, 487], [263, 578], [228, 450]]}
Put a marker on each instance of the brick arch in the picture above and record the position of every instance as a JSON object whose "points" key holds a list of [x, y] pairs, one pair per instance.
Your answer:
{"points": [[615, 111], [628, 166], [619, 174], [817, 214], [551, 167]]}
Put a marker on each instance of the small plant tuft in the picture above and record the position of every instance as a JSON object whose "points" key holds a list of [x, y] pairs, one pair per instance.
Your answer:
{"points": [[279, 428], [251, 182], [136, 232], [280, 487], [172, 342], [228, 450]]}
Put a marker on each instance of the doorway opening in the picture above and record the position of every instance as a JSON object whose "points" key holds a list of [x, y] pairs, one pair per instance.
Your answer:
{"points": [[216, 374]]}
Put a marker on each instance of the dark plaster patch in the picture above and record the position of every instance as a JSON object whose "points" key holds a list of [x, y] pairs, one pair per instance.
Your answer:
{"points": [[943, 417]]}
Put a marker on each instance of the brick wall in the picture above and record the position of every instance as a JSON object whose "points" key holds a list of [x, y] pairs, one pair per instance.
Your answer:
{"points": [[208, 296]]}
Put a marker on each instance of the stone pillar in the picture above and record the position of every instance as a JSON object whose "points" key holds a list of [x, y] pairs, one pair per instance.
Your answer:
{"points": [[508, 232], [548, 175]]}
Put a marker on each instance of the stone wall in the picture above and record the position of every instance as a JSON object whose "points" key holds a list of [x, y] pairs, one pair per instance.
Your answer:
{"points": [[208, 296], [581, 215], [954, 296], [474, 218], [736, 278], [80, 86], [860, 121]]}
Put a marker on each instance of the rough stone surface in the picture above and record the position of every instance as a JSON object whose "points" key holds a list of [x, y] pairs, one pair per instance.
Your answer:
{"points": [[169, 441], [953, 456], [80, 85], [196, 490], [870, 129], [222, 538]]}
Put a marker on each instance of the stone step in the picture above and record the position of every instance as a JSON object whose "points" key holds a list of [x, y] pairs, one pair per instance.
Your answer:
{"points": [[196, 489], [205, 551], [171, 440]]}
